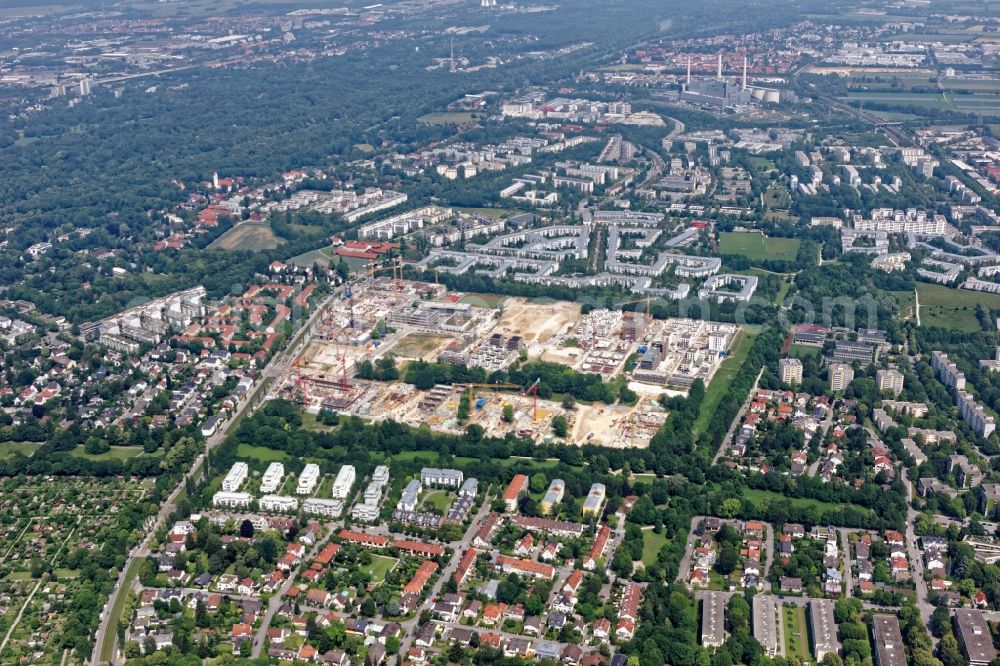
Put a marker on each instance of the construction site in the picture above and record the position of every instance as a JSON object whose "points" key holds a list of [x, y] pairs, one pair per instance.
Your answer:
{"points": [[387, 317]]}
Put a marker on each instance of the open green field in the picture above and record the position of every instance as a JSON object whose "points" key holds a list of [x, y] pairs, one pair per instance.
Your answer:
{"points": [[754, 246], [379, 567], [261, 453], [365, 147], [954, 309], [929, 100], [803, 351], [762, 496], [8, 449], [116, 453], [723, 376], [651, 545], [439, 499], [796, 636], [448, 118], [482, 300], [248, 236]]}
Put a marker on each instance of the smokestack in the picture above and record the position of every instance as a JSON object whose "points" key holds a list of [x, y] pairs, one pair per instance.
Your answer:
{"points": [[744, 72], [719, 74], [689, 72]]}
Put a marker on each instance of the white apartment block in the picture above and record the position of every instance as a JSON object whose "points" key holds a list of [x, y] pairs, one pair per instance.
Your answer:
{"points": [[975, 414], [331, 508], [365, 513], [344, 482], [449, 478], [231, 500], [948, 372], [910, 221], [841, 375], [278, 503], [272, 477], [235, 478], [308, 479], [890, 380], [790, 370]]}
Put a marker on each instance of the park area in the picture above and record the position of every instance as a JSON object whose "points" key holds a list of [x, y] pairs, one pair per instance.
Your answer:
{"points": [[757, 247], [954, 309], [251, 236]]}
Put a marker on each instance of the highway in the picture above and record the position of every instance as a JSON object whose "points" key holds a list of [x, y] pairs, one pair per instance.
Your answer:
{"points": [[282, 362]]}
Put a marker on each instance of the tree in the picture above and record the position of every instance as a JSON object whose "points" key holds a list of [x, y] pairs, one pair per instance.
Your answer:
{"points": [[508, 413], [729, 559], [559, 426], [949, 652], [246, 529]]}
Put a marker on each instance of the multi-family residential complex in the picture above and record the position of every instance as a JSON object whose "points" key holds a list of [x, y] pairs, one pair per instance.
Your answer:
{"points": [[975, 414], [594, 500], [890, 380], [272, 477], [841, 375], [767, 623], [235, 478], [790, 371], [910, 221], [344, 482], [889, 649], [331, 508], [308, 479], [975, 636], [553, 495], [948, 372], [823, 628], [713, 619], [447, 478]]}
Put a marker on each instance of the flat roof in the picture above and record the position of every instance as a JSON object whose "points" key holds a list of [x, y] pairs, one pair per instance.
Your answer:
{"points": [[713, 619], [974, 634], [765, 621], [888, 641], [822, 628]]}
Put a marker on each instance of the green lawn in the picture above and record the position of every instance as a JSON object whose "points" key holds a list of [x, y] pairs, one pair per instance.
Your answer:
{"points": [[796, 637], [651, 545], [761, 496], [380, 566], [802, 351], [116, 453], [439, 499], [261, 453], [8, 449], [754, 246], [954, 309], [448, 118], [720, 382]]}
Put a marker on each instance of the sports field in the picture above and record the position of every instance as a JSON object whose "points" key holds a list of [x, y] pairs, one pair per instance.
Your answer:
{"points": [[757, 247]]}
